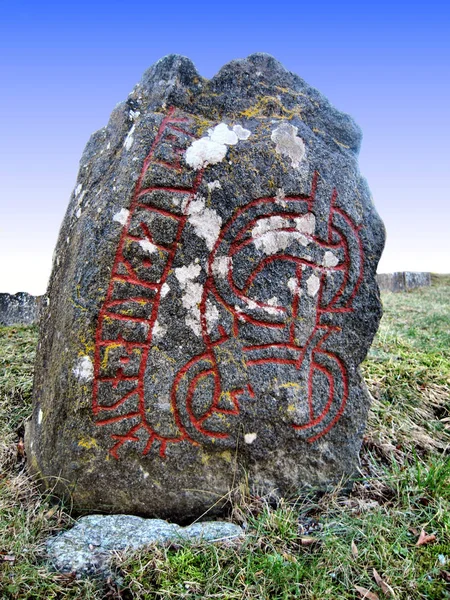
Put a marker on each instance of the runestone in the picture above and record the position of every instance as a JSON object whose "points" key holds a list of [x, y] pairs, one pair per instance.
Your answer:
{"points": [[212, 296]]}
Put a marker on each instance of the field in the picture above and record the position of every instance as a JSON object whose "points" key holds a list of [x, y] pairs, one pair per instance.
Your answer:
{"points": [[390, 538]]}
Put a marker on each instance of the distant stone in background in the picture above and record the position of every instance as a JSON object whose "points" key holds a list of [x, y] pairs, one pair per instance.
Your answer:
{"points": [[402, 280], [88, 546], [212, 296], [20, 309]]}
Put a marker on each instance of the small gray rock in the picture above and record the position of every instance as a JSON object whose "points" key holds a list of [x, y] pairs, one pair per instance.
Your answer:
{"points": [[87, 548]]}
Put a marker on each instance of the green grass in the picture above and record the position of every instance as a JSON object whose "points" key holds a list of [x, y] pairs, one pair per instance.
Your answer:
{"points": [[315, 548]]}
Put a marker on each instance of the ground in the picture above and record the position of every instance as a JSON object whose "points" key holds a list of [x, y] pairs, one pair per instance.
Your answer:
{"points": [[390, 538]]}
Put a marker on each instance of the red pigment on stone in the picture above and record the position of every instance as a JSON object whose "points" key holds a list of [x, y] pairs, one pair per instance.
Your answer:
{"points": [[335, 375]]}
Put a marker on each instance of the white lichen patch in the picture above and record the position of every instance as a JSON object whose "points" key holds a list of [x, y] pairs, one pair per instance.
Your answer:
{"points": [[312, 285], [129, 139], [214, 185], [242, 134], [249, 438], [122, 216], [330, 259], [306, 223], [145, 473], [40, 416], [191, 301], [271, 236], [212, 315], [269, 224], [293, 286], [288, 143], [187, 274], [276, 241], [251, 303], [239, 312], [78, 189], [205, 152], [158, 331], [165, 289], [222, 134], [148, 247], [211, 149], [205, 221], [84, 369], [222, 265], [184, 204], [271, 307], [192, 292], [280, 197], [133, 115]]}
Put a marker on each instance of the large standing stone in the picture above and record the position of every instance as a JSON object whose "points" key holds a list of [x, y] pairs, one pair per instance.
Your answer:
{"points": [[212, 296], [20, 309], [401, 281]]}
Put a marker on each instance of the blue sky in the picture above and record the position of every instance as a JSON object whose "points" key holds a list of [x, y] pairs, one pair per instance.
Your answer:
{"points": [[64, 66]]}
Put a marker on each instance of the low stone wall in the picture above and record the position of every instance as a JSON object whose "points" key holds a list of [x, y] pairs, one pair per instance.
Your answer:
{"points": [[20, 309], [403, 280]]}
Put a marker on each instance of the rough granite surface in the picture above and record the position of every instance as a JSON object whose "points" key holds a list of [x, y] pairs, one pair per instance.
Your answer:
{"points": [[87, 548], [212, 296]]}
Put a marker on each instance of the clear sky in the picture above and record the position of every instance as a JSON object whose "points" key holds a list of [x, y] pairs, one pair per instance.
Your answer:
{"points": [[65, 64]]}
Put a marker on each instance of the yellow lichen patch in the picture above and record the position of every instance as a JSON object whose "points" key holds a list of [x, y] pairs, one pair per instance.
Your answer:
{"points": [[87, 343], [269, 106], [163, 354], [226, 455], [202, 124], [108, 349], [291, 408], [290, 384], [126, 312], [284, 90], [204, 459], [341, 144], [318, 131], [88, 443], [77, 305]]}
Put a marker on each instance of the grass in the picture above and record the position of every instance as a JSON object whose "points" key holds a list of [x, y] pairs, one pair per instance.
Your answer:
{"points": [[315, 548]]}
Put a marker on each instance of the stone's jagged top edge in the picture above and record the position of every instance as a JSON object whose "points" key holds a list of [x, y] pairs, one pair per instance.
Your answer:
{"points": [[257, 59], [175, 79], [168, 67], [261, 67]]}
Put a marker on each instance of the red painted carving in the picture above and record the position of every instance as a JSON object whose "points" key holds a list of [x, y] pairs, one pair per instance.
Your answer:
{"points": [[244, 309], [139, 413]]}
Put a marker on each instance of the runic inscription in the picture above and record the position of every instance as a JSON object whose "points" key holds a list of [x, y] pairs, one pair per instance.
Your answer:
{"points": [[320, 276]]}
